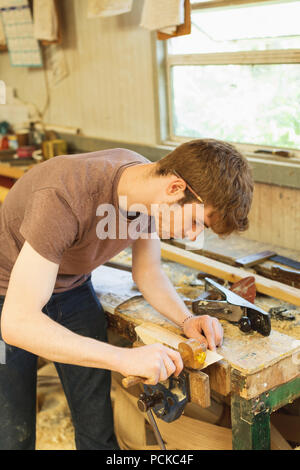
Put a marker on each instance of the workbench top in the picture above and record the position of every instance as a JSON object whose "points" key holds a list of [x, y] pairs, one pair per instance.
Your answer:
{"points": [[264, 361]]}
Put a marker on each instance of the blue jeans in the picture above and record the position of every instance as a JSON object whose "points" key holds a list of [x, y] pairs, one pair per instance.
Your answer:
{"points": [[87, 389]]}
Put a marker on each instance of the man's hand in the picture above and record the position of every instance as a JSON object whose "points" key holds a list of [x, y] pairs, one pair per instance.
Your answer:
{"points": [[210, 327], [155, 362]]}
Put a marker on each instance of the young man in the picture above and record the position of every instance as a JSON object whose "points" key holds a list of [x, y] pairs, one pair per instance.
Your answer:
{"points": [[50, 242]]}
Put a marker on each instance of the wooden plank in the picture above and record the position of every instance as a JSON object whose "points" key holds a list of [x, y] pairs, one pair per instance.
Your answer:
{"points": [[190, 434], [230, 273], [199, 389], [152, 334], [219, 377]]}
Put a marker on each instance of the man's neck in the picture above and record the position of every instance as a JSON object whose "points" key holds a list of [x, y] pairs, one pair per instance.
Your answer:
{"points": [[137, 185]]}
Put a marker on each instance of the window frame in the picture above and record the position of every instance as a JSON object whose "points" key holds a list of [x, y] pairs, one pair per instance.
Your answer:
{"points": [[167, 61]]}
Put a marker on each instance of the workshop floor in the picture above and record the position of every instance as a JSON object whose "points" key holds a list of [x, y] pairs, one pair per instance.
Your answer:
{"points": [[54, 427]]}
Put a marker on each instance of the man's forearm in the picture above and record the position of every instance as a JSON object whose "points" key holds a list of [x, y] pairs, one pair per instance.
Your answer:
{"points": [[40, 335], [158, 290]]}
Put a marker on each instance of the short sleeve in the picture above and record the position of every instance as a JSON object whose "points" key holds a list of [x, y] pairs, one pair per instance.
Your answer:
{"points": [[49, 224]]}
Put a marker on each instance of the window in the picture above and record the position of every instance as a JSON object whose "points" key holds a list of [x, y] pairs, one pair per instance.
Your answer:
{"points": [[236, 77]]}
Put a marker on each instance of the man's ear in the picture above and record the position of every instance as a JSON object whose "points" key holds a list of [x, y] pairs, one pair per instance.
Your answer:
{"points": [[175, 187]]}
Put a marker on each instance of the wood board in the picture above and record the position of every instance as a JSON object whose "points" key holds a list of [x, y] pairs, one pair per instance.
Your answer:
{"points": [[152, 334]]}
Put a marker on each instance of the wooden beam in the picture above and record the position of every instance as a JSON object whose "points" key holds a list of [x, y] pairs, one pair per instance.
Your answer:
{"points": [[230, 273]]}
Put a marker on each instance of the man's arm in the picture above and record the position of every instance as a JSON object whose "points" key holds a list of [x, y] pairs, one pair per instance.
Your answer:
{"points": [[24, 325], [158, 290]]}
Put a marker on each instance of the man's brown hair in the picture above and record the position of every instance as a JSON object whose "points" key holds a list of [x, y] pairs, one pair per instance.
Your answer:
{"points": [[220, 175]]}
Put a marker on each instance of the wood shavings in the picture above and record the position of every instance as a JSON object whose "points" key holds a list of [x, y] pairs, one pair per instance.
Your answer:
{"points": [[54, 428]]}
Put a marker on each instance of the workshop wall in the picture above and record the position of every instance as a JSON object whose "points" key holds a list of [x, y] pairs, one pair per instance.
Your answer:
{"points": [[275, 216], [109, 91]]}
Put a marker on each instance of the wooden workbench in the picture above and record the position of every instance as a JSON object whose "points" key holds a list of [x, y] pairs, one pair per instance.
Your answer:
{"points": [[259, 374]]}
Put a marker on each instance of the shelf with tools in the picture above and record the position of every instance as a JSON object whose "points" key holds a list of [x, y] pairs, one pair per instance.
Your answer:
{"points": [[10, 173]]}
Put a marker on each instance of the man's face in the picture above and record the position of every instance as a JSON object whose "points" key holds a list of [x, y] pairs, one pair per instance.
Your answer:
{"points": [[187, 221], [174, 219]]}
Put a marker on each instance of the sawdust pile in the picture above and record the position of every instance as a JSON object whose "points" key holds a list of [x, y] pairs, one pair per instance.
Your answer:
{"points": [[54, 429]]}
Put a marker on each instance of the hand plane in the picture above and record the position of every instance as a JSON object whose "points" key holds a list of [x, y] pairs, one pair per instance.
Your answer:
{"points": [[234, 309]]}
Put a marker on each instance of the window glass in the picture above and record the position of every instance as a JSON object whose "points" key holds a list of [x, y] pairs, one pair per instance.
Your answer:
{"points": [[241, 28], [257, 104]]}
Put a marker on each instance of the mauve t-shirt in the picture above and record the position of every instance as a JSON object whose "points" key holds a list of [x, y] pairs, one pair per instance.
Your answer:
{"points": [[54, 208]]}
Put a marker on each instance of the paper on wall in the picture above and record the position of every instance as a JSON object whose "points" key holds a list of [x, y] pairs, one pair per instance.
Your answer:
{"points": [[24, 50], [100, 8], [163, 14], [45, 20], [2, 34]]}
